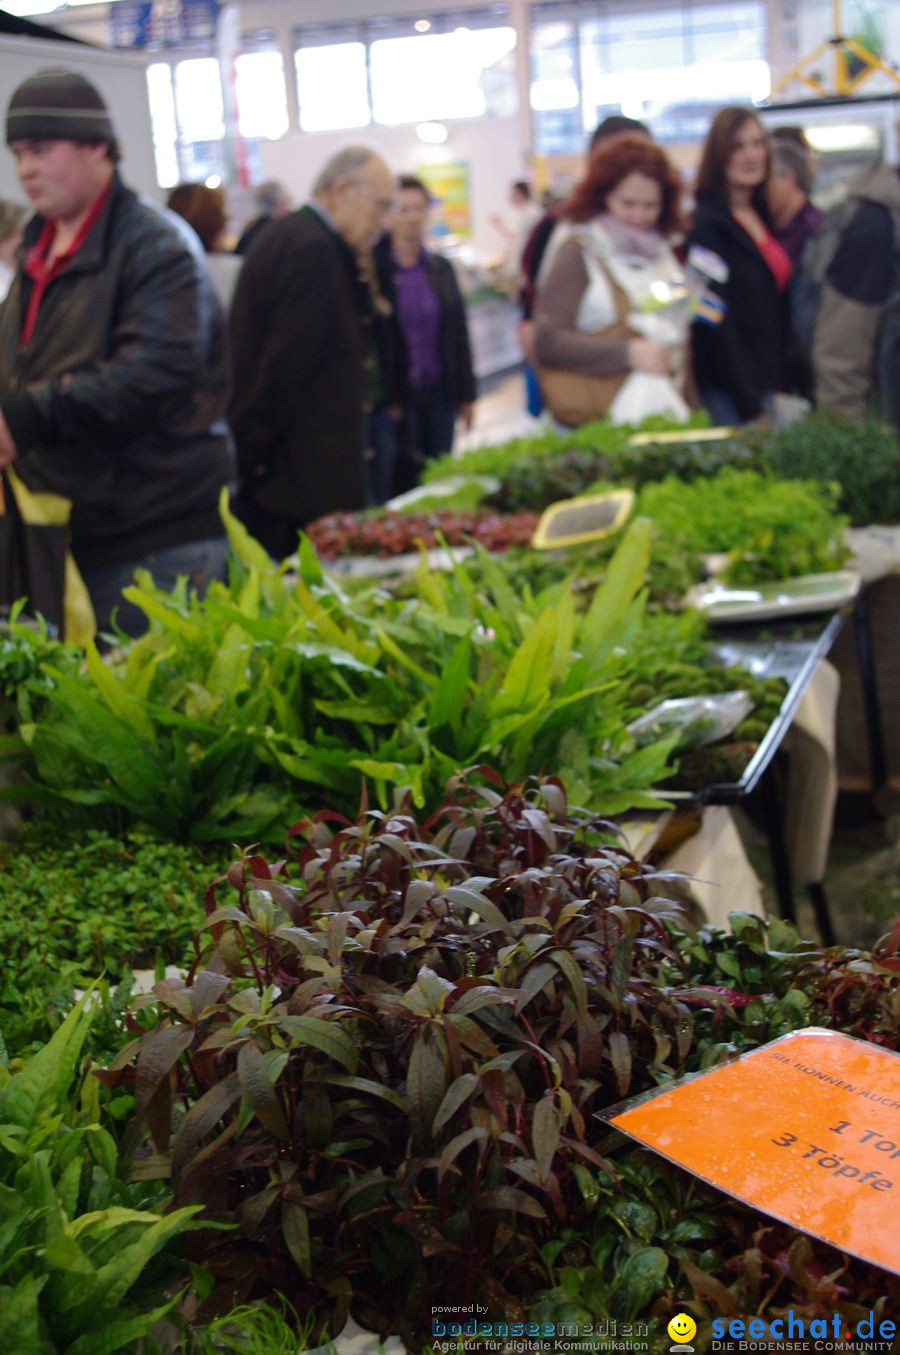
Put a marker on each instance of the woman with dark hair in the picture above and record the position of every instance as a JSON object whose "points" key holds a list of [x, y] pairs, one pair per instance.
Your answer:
{"points": [[433, 339], [609, 265], [740, 333], [204, 210]]}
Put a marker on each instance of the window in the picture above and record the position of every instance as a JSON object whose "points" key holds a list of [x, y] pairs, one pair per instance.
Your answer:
{"points": [[162, 119], [200, 114], [198, 99], [332, 86], [188, 116], [261, 96], [728, 32], [441, 75], [409, 69], [188, 120], [555, 95], [670, 63]]}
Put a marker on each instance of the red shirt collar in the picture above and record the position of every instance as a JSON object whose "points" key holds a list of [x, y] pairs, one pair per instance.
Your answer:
{"points": [[36, 258], [36, 261]]}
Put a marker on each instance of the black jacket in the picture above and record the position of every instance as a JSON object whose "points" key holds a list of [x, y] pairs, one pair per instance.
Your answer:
{"points": [[251, 232], [117, 399], [457, 376], [297, 343], [744, 355]]}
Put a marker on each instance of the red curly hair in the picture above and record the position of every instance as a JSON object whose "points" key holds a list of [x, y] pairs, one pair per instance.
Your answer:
{"points": [[613, 160]]}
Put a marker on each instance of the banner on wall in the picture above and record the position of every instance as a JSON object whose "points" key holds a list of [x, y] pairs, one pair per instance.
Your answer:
{"points": [[153, 24], [448, 185]]}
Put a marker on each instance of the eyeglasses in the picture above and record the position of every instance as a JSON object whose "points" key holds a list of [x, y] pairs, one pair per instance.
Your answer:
{"points": [[382, 204]]}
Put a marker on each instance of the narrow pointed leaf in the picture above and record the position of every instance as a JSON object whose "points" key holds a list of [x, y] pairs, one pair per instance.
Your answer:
{"points": [[261, 1096]]}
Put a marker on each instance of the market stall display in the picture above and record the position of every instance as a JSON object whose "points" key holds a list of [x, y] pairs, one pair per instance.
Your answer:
{"points": [[380, 1059]]}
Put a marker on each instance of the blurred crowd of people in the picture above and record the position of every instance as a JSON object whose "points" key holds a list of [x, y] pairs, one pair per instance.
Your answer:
{"points": [[347, 362], [775, 300]]}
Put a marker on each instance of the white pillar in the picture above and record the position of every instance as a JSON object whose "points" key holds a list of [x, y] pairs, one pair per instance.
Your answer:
{"points": [[520, 17], [284, 36], [227, 49]]}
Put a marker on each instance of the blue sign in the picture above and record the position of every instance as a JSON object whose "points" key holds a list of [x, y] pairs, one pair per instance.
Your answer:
{"points": [[162, 23]]}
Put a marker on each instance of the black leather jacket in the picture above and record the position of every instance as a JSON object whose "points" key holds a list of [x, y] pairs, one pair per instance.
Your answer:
{"points": [[117, 399], [744, 355]]}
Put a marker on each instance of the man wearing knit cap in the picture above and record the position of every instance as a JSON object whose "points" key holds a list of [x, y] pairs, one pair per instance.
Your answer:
{"points": [[112, 365]]}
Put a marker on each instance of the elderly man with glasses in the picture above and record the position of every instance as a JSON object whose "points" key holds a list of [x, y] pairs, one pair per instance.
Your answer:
{"points": [[302, 354]]}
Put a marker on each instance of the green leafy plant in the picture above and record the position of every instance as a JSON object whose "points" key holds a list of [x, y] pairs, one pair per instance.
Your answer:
{"points": [[30, 1013], [385, 1062], [654, 1240], [390, 1073], [256, 1329], [76, 1242], [584, 453], [25, 647], [863, 458], [769, 528], [71, 909], [235, 710]]}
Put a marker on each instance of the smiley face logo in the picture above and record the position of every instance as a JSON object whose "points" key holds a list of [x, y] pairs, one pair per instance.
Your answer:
{"points": [[682, 1329]]}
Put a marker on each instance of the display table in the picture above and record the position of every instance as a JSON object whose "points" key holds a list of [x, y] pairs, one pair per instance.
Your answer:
{"points": [[868, 656], [709, 853], [792, 650], [796, 810], [494, 335]]}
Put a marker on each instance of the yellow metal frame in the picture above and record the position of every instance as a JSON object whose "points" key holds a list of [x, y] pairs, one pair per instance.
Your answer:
{"points": [[844, 84]]}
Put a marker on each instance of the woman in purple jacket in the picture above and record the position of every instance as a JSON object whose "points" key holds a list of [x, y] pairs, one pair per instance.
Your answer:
{"points": [[430, 317]]}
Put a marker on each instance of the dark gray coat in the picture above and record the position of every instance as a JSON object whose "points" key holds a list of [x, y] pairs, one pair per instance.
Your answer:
{"points": [[297, 349]]}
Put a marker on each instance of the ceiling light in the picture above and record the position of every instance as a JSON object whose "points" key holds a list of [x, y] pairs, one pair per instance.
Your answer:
{"points": [[214, 181], [432, 133], [422, 25], [843, 136]]}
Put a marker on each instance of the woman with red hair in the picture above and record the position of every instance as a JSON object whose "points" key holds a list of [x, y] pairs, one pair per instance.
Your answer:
{"points": [[204, 210], [599, 295]]}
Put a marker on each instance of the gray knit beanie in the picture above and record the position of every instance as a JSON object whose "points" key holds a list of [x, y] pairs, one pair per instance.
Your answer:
{"points": [[58, 105]]}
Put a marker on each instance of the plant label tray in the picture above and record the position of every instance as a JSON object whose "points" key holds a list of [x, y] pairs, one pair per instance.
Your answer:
{"points": [[771, 601], [575, 522]]}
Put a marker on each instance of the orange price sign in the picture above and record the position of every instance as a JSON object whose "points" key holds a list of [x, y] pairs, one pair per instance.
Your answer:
{"points": [[806, 1129]]}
